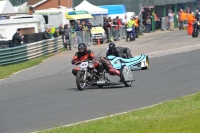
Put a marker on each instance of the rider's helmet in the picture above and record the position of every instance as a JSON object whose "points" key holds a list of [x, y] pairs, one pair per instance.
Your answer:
{"points": [[82, 47], [112, 47]]}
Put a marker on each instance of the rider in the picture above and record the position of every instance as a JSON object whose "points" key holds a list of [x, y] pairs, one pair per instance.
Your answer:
{"points": [[131, 24], [100, 63], [118, 51]]}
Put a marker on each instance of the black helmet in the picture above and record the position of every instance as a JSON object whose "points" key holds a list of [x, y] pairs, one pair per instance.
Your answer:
{"points": [[112, 46], [82, 47]]}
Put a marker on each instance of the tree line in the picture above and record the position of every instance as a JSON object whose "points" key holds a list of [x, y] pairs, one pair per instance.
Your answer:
{"points": [[17, 2]]}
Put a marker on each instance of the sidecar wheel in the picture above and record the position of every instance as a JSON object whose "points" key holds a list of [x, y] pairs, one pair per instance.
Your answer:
{"points": [[128, 83]]}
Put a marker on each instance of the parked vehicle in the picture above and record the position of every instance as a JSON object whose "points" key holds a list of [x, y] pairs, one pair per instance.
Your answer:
{"points": [[28, 24]]}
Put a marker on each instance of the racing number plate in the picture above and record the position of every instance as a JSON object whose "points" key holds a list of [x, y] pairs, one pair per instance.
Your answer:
{"points": [[127, 73]]}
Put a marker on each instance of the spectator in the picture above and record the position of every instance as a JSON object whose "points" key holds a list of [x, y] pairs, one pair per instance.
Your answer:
{"points": [[50, 33], [181, 19], [17, 38], [46, 34], [89, 25], [61, 29], [125, 22], [57, 33], [197, 15], [137, 25], [85, 28], [79, 28], [106, 27], [171, 20], [67, 31], [118, 24], [148, 23], [156, 20]]}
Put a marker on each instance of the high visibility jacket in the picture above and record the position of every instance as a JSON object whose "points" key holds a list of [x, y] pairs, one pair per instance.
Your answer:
{"points": [[131, 23], [155, 17], [184, 16], [191, 17], [181, 15], [136, 22]]}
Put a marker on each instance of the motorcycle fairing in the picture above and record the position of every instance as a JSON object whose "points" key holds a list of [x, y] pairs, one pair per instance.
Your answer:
{"points": [[136, 62]]}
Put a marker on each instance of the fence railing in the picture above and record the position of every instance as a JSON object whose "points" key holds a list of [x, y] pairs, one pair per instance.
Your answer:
{"points": [[30, 51], [78, 37]]}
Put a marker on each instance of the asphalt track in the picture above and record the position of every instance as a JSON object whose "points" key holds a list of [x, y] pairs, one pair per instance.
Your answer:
{"points": [[46, 96]]}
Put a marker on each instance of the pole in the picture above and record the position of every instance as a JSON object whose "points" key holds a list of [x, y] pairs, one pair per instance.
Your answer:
{"points": [[140, 17], [58, 3], [175, 17], [153, 21], [164, 11]]}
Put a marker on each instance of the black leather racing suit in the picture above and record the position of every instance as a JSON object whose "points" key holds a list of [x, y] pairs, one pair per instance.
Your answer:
{"points": [[120, 52]]}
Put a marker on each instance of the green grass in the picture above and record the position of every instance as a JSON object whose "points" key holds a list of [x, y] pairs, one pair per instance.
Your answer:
{"points": [[177, 116], [7, 70]]}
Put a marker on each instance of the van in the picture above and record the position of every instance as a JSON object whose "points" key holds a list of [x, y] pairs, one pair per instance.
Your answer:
{"points": [[28, 24], [97, 32]]}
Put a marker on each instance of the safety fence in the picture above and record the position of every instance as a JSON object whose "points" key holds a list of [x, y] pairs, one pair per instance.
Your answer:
{"points": [[30, 51], [113, 33], [165, 25], [117, 32], [78, 37]]}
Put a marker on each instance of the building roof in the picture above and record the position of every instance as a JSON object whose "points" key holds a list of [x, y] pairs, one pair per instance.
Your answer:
{"points": [[34, 3], [6, 7]]}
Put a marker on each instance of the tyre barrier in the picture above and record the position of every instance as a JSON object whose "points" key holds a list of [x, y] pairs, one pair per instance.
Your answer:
{"points": [[30, 51]]}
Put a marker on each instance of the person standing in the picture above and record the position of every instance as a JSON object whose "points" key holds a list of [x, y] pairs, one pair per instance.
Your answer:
{"points": [[137, 25], [197, 15], [56, 33], [171, 20], [181, 19], [156, 20], [149, 24], [17, 38], [46, 34], [191, 20]]}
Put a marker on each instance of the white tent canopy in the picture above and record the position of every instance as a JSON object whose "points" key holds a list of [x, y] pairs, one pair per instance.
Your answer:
{"points": [[6, 7], [91, 9]]}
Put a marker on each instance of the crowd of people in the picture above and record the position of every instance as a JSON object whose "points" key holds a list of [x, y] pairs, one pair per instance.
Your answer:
{"points": [[113, 25]]}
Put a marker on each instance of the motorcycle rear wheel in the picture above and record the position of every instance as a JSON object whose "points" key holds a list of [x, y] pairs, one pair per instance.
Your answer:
{"points": [[81, 84]]}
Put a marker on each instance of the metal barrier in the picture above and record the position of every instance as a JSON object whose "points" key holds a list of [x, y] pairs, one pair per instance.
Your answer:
{"points": [[78, 37], [165, 23], [117, 32], [29, 51]]}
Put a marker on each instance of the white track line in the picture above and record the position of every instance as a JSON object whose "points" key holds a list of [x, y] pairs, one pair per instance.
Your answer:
{"points": [[106, 116], [99, 118]]}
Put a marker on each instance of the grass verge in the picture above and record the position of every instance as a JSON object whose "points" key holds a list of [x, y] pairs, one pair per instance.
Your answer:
{"points": [[178, 116], [7, 70]]}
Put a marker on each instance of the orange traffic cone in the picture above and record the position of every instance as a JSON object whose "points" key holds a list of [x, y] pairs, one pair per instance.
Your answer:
{"points": [[98, 41]]}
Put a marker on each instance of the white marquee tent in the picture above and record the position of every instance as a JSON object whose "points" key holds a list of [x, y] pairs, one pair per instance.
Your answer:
{"points": [[6, 7], [92, 9]]}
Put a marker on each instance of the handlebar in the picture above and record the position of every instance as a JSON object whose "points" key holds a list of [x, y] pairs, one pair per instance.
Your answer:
{"points": [[79, 62]]}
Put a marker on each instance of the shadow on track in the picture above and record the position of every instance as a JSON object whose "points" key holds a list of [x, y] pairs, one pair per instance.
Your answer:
{"points": [[97, 88]]}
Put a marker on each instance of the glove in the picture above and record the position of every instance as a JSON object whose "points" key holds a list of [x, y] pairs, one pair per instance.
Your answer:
{"points": [[73, 62]]}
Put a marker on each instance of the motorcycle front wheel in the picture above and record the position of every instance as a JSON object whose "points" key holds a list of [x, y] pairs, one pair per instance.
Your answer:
{"points": [[80, 81]]}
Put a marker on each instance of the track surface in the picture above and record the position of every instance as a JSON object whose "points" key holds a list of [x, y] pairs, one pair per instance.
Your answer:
{"points": [[46, 96]]}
